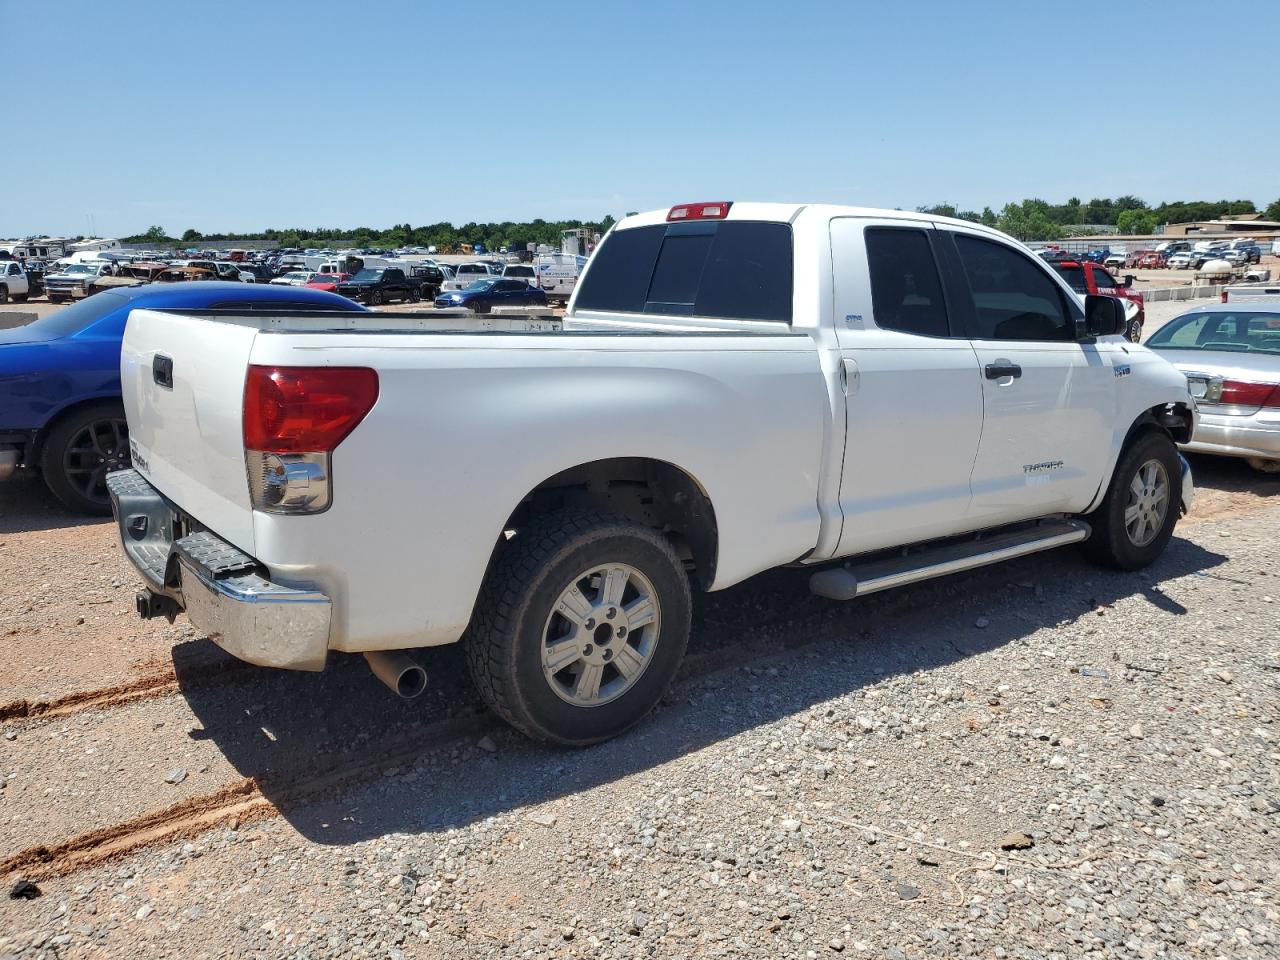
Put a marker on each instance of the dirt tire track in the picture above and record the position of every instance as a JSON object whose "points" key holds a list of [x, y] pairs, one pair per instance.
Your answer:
{"points": [[160, 682], [241, 801]]}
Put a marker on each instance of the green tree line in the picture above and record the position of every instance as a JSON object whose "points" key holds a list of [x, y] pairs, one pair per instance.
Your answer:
{"points": [[1036, 219], [1031, 219], [492, 235]]}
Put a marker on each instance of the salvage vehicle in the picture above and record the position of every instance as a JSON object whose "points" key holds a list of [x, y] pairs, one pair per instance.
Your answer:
{"points": [[1086, 278], [558, 274], [881, 396], [379, 285], [60, 404], [464, 274], [13, 282], [1230, 354], [75, 281], [483, 295]]}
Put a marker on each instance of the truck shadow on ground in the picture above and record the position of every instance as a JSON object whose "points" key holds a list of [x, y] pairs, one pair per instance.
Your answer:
{"points": [[27, 506], [759, 652]]}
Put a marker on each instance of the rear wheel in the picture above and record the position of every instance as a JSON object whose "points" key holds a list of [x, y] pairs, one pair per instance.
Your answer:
{"points": [[580, 627], [4, 293], [81, 450], [375, 298], [1136, 519], [414, 295]]}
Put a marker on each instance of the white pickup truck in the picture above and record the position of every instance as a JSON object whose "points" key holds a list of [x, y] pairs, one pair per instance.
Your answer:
{"points": [[881, 396]]}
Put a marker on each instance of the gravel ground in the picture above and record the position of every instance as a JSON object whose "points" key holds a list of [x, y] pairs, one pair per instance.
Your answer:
{"points": [[825, 779]]}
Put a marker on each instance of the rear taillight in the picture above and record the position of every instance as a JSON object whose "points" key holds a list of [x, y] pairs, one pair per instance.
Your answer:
{"points": [[699, 211], [1224, 294], [1242, 393], [294, 418]]}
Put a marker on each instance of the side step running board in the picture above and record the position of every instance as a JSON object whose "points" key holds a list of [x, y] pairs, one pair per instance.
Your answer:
{"points": [[859, 579]]}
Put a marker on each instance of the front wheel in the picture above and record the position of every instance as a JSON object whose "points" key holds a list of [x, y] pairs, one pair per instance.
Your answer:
{"points": [[414, 296], [580, 627], [1134, 333], [1136, 519], [375, 298]]}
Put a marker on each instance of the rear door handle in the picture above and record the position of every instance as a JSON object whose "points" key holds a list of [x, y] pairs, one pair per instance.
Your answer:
{"points": [[1003, 368]]}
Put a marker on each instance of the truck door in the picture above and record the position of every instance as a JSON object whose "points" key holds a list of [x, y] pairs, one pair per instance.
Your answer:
{"points": [[913, 411], [1048, 399]]}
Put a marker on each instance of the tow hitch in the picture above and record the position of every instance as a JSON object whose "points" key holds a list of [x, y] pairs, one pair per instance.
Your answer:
{"points": [[151, 605]]}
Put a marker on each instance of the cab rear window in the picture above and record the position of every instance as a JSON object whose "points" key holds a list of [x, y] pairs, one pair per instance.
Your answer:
{"points": [[734, 270]]}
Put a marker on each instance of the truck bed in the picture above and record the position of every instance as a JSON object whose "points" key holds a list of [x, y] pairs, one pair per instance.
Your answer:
{"points": [[474, 413]]}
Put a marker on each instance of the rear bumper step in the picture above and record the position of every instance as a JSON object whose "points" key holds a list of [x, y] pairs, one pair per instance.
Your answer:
{"points": [[226, 593], [858, 579]]}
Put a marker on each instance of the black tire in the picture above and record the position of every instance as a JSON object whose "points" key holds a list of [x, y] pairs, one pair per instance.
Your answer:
{"points": [[54, 298], [21, 297], [1134, 333], [520, 596], [414, 296], [375, 298], [477, 307], [4, 293], [81, 450], [1112, 542]]}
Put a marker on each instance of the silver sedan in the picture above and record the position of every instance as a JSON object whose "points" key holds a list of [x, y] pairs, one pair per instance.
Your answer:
{"points": [[1230, 353]]}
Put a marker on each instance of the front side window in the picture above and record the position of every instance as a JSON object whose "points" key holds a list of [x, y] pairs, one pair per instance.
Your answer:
{"points": [[906, 292], [1013, 299], [1104, 280]]}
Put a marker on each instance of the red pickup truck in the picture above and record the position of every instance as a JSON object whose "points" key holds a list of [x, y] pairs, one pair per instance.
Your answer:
{"points": [[1086, 277]]}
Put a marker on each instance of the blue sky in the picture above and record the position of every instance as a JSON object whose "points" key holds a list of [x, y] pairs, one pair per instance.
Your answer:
{"points": [[242, 115]]}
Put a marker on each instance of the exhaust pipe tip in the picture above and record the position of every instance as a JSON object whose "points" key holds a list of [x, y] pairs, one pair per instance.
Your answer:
{"points": [[407, 678]]}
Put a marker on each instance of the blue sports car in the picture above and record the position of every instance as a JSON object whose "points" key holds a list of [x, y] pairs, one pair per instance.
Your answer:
{"points": [[60, 406], [483, 295]]}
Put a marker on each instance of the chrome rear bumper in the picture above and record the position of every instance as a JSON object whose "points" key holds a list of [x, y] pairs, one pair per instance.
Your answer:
{"points": [[226, 593]]}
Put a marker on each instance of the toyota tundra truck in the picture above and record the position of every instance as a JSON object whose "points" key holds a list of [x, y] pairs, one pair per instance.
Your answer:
{"points": [[879, 396]]}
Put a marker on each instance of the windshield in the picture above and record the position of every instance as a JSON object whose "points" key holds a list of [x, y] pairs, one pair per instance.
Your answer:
{"points": [[368, 275], [481, 284], [80, 268], [1221, 330], [78, 316], [519, 271]]}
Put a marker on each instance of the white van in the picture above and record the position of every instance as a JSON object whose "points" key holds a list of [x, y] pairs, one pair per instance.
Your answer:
{"points": [[558, 274]]}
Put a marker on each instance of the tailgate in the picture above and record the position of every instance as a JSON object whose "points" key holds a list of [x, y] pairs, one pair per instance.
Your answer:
{"points": [[183, 380]]}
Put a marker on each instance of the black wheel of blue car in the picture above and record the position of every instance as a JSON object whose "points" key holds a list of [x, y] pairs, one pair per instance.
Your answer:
{"points": [[81, 450]]}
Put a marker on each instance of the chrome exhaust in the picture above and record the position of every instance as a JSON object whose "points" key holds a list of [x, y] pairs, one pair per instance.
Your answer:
{"points": [[398, 672]]}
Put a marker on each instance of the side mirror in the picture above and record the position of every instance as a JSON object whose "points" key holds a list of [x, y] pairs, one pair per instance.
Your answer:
{"points": [[1103, 316], [1128, 280]]}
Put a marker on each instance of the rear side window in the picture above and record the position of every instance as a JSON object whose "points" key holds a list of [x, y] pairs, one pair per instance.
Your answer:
{"points": [[736, 270], [1074, 277], [1013, 299], [906, 292]]}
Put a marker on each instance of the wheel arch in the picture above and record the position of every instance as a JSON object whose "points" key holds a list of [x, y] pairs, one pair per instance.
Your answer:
{"points": [[65, 413], [652, 492], [1175, 420]]}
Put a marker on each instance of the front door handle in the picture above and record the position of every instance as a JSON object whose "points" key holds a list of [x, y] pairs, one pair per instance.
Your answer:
{"points": [[1003, 368]]}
